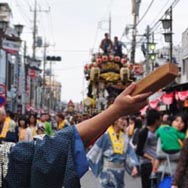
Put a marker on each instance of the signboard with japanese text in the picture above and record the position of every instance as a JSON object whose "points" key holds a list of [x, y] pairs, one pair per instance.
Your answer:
{"points": [[11, 46]]}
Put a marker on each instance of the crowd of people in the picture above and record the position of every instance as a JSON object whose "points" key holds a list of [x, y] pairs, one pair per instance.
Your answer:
{"points": [[145, 143], [150, 142], [19, 128]]}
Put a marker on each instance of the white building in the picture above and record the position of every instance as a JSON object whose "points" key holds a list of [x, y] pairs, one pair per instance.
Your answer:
{"points": [[184, 70]]}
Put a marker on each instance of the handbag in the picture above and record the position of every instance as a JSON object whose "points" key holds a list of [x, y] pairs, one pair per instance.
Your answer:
{"points": [[165, 182]]}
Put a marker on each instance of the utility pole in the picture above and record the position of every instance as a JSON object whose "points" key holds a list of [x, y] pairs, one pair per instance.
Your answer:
{"points": [[171, 41], [135, 13], [152, 52], [147, 49], [34, 29], [23, 98], [110, 25], [33, 91], [44, 74], [50, 99], [133, 50]]}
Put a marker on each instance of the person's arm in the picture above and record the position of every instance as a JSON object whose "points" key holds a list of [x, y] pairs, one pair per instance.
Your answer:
{"points": [[102, 45], [123, 105], [182, 165], [181, 135], [132, 155]]}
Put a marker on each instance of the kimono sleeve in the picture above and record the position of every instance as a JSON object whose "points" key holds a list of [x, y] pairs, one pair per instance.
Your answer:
{"points": [[95, 155], [80, 155]]}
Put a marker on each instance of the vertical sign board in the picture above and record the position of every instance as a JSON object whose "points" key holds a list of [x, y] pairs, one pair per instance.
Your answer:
{"points": [[184, 72]]}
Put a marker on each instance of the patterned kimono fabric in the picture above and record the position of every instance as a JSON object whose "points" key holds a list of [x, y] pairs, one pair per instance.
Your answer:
{"points": [[47, 163], [112, 175], [107, 159]]}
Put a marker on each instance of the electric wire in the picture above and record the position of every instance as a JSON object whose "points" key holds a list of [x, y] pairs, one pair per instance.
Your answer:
{"points": [[23, 12], [108, 10], [156, 25], [145, 13]]}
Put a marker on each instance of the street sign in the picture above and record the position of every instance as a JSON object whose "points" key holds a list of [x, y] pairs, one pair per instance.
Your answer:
{"points": [[2, 89], [2, 101]]}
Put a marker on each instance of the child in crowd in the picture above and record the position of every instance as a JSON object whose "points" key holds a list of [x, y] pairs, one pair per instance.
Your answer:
{"points": [[171, 139]]}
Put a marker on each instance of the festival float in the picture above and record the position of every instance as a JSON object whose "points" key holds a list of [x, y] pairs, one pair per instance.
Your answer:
{"points": [[107, 76]]}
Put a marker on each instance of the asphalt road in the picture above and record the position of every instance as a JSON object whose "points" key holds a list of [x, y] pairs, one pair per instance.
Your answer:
{"points": [[89, 181]]}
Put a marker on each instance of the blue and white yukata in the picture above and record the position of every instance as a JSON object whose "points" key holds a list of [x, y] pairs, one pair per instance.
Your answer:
{"points": [[108, 166], [51, 162]]}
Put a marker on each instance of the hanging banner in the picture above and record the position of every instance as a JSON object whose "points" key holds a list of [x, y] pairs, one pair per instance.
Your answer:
{"points": [[143, 110], [182, 95], [168, 98], [154, 104]]}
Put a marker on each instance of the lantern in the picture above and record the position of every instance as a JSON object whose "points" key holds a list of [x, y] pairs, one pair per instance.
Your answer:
{"points": [[105, 58], [94, 73], [124, 74], [117, 59], [123, 61], [99, 61]]}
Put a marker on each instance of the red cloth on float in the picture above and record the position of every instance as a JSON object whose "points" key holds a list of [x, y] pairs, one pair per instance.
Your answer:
{"points": [[182, 95], [168, 98], [143, 110], [154, 104]]}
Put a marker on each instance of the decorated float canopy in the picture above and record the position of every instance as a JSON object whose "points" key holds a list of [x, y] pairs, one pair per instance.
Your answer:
{"points": [[110, 68]]}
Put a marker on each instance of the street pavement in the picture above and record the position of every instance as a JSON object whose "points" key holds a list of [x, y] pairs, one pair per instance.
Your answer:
{"points": [[89, 181]]}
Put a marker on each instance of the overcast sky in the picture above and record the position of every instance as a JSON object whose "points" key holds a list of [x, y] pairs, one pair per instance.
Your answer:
{"points": [[73, 29]]}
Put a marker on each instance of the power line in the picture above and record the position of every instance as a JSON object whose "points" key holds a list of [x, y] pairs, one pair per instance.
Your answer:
{"points": [[162, 9], [24, 12], [145, 13], [97, 30], [156, 25]]}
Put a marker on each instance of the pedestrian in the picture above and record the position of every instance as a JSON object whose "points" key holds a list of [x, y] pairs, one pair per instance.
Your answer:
{"points": [[31, 130], [8, 127], [118, 47], [137, 128], [60, 161], [106, 44], [107, 158], [171, 139], [146, 147], [22, 125], [61, 121]]}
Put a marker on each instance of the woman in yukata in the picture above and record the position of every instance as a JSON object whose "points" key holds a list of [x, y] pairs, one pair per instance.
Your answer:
{"points": [[107, 157]]}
